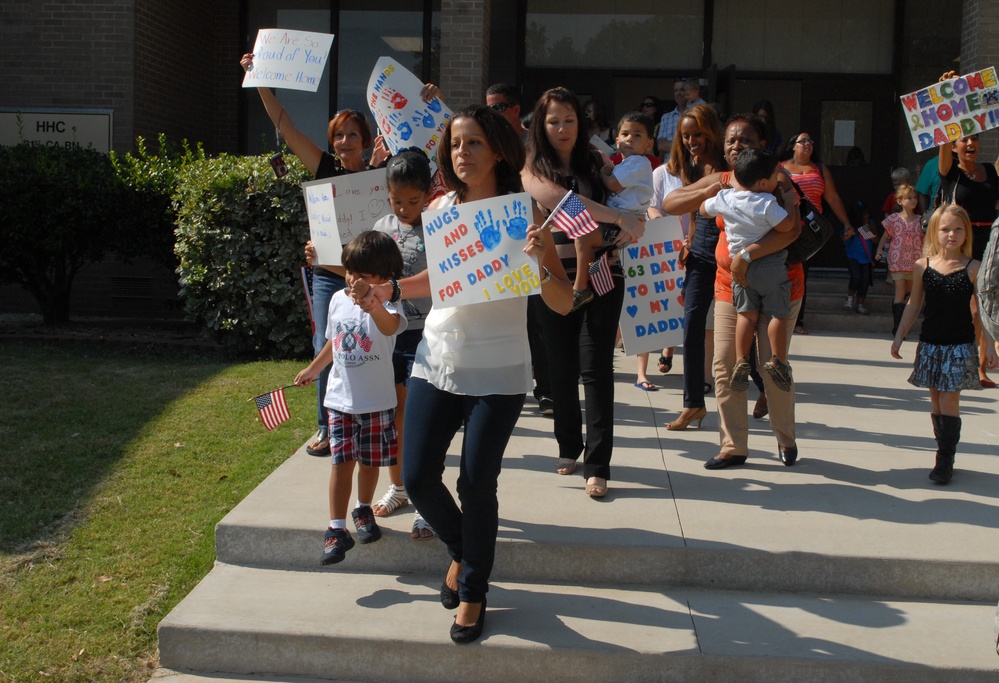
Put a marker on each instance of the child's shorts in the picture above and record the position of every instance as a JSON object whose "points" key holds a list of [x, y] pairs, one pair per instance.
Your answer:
{"points": [[768, 290], [901, 275], [368, 438]]}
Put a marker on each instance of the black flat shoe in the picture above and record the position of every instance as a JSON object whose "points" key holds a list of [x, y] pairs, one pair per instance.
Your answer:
{"points": [[718, 463], [468, 634], [449, 598], [787, 455]]}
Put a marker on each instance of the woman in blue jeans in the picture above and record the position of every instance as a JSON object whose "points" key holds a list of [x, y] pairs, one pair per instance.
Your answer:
{"points": [[472, 370], [581, 344], [697, 151]]}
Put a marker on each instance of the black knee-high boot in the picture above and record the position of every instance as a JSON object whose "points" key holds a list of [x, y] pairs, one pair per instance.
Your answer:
{"points": [[896, 312], [947, 430]]}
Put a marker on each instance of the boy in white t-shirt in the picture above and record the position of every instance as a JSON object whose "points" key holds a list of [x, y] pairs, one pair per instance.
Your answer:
{"points": [[751, 211], [360, 395]]}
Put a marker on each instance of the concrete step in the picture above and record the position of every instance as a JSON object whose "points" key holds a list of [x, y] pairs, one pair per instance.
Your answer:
{"points": [[373, 627], [847, 566]]}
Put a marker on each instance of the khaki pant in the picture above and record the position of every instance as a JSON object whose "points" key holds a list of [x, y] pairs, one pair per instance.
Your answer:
{"points": [[733, 409]]}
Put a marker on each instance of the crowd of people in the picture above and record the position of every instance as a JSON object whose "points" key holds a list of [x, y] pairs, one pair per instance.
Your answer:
{"points": [[736, 188]]}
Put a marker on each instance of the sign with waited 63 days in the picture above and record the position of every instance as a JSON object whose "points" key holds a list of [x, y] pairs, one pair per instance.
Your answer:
{"points": [[475, 251], [652, 315]]}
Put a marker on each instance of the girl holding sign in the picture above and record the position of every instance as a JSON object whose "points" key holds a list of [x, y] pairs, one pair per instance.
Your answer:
{"points": [[349, 135], [456, 382]]}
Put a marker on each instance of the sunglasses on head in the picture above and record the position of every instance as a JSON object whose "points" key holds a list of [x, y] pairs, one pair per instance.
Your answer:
{"points": [[500, 107]]}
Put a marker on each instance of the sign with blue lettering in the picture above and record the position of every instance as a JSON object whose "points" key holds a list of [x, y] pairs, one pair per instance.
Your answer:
{"points": [[652, 315], [294, 60], [475, 251], [341, 208]]}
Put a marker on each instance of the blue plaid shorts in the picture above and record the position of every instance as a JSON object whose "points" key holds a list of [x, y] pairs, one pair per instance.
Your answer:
{"points": [[369, 438]]}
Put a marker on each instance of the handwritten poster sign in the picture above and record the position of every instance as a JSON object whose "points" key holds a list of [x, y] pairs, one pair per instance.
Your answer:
{"points": [[341, 208], [294, 60], [475, 251], [652, 315], [944, 112], [403, 118]]}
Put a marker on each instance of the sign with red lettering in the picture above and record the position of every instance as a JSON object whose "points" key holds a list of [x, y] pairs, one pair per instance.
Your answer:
{"points": [[294, 60], [475, 251], [341, 208], [954, 109], [652, 315]]}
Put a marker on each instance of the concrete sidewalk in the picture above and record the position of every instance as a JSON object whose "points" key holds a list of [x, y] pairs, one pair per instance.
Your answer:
{"points": [[851, 563]]}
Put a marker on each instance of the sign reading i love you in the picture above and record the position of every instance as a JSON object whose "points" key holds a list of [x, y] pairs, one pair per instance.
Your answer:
{"points": [[652, 315], [294, 60], [341, 208], [403, 118], [475, 251], [949, 110]]}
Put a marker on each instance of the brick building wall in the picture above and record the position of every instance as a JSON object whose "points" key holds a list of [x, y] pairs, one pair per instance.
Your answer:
{"points": [[980, 49], [75, 55], [464, 51]]}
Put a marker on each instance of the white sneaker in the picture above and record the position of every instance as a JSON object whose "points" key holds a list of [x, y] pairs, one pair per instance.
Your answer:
{"points": [[848, 304], [862, 309]]}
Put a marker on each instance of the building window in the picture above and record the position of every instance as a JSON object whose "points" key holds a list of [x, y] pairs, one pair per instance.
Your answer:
{"points": [[851, 36], [627, 34], [364, 32]]}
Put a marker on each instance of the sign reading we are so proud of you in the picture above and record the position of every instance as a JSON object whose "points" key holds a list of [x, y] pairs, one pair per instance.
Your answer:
{"points": [[288, 59], [953, 109], [475, 251]]}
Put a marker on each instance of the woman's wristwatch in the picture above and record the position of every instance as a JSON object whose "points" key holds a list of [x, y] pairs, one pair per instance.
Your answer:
{"points": [[744, 255], [547, 276]]}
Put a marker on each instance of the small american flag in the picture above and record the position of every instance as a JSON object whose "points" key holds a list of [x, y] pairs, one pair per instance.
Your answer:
{"points": [[600, 276], [865, 232], [273, 408], [572, 218]]}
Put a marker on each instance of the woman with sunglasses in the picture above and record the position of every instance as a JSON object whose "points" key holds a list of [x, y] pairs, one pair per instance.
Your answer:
{"points": [[974, 187], [814, 179], [349, 136]]}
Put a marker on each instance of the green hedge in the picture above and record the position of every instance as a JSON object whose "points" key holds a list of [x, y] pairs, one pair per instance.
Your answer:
{"points": [[239, 238]]}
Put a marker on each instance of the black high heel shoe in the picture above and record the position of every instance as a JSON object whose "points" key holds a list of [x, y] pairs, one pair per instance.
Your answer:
{"points": [[468, 634], [449, 598]]}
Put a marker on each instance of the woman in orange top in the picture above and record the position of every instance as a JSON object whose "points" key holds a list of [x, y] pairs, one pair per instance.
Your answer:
{"points": [[743, 131]]}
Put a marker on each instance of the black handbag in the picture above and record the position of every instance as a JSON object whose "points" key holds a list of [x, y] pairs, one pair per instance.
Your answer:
{"points": [[816, 230]]}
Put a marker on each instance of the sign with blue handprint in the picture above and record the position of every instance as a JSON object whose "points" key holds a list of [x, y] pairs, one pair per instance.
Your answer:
{"points": [[403, 119], [652, 315], [475, 251]]}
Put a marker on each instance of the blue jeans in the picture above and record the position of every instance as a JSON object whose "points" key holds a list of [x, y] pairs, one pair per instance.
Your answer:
{"points": [[432, 419], [581, 348], [860, 277], [324, 285], [698, 292]]}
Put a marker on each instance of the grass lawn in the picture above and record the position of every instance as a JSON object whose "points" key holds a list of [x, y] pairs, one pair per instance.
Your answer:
{"points": [[115, 465]]}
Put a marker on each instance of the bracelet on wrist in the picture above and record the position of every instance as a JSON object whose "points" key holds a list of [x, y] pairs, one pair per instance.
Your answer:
{"points": [[547, 276], [396, 291]]}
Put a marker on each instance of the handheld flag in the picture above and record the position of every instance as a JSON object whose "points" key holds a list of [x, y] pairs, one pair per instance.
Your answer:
{"points": [[865, 232], [572, 217], [601, 280], [273, 408]]}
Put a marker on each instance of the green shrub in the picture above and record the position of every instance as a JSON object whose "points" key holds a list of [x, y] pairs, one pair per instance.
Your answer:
{"points": [[239, 238], [61, 208], [153, 179]]}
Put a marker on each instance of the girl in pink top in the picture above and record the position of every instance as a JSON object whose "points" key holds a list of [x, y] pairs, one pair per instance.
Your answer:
{"points": [[906, 234]]}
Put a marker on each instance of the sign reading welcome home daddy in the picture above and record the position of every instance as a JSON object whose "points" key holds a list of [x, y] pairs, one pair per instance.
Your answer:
{"points": [[652, 315], [294, 60], [954, 109], [475, 251]]}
